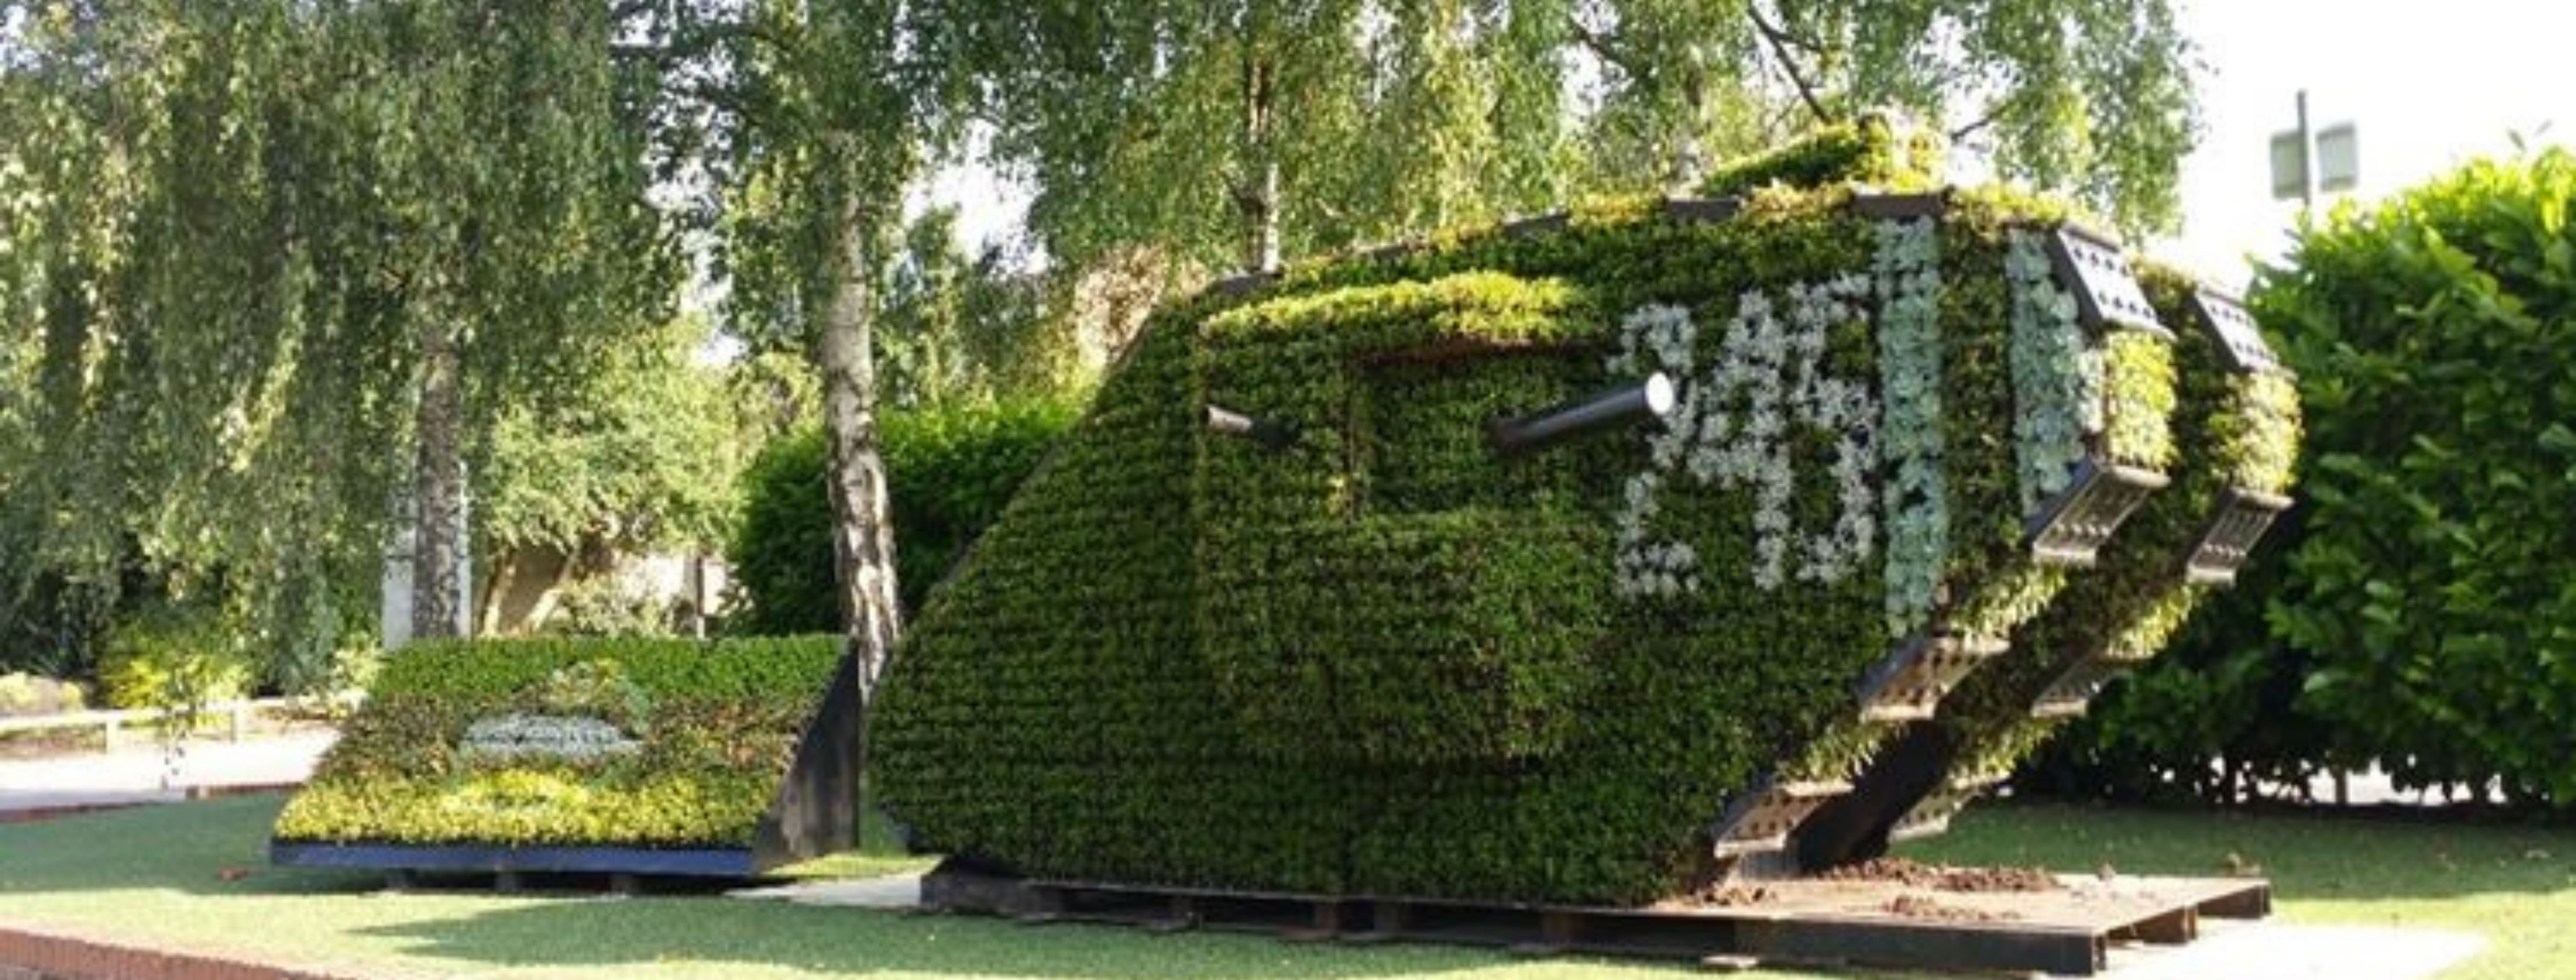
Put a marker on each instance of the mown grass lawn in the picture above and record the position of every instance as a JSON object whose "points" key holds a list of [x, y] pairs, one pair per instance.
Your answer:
{"points": [[173, 875]]}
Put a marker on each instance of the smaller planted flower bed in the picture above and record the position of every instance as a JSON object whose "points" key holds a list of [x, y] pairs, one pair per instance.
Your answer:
{"points": [[664, 757]]}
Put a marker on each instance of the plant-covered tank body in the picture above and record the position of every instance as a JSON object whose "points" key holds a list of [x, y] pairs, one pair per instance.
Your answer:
{"points": [[1289, 611]]}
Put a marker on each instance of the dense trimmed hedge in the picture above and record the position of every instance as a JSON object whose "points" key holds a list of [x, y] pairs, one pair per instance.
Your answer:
{"points": [[711, 730], [2421, 614], [1384, 660], [949, 470]]}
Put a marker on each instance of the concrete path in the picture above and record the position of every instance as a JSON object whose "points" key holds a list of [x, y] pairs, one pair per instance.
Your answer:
{"points": [[889, 892], [136, 775], [2274, 950]]}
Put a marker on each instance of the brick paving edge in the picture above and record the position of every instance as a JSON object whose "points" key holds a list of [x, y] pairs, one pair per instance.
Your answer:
{"points": [[31, 954], [191, 794]]}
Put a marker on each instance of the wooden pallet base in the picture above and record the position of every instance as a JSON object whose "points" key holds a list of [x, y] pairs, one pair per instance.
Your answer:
{"points": [[506, 863], [1809, 921]]}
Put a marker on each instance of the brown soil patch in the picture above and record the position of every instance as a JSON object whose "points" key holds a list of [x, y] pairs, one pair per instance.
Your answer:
{"points": [[1730, 896], [1914, 906], [1945, 878]]}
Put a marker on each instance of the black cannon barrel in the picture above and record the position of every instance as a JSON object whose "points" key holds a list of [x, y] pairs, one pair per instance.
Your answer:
{"points": [[1627, 404], [1273, 436]]}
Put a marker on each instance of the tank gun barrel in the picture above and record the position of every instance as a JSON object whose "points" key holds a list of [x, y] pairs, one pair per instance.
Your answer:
{"points": [[1651, 398], [1273, 436]]}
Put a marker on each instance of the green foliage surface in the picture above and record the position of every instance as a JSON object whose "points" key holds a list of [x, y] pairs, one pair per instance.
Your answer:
{"points": [[2226, 426], [173, 656], [1872, 151], [1384, 660], [229, 234], [950, 470], [712, 729], [644, 454], [2421, 618]]}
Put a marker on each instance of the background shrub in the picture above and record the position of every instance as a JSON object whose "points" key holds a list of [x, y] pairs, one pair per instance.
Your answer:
{"points": [[173, 656], [28, 694], [2420, 610], [949, 469], [601, 605]]}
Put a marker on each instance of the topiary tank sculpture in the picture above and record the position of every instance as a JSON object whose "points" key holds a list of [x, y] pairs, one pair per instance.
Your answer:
{"points": [[1578, 559]]}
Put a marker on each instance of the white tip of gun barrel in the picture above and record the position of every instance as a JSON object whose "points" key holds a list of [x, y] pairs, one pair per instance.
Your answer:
{"points": [[1660, 394], [1230, 423]]}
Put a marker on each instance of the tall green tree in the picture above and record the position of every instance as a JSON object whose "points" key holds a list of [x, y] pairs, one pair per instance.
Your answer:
{"points": [[280, 261], [2089, 97], [804, 122], [645, 455], [964, 326], [1234, 131]]}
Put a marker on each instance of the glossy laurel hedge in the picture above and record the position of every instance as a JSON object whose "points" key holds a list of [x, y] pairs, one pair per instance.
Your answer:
{"points": [[2423, 617], [1385, 661], [949, 470], [717, 726]]}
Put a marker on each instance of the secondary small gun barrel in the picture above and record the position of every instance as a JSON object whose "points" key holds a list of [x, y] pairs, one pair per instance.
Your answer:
{"points": [[1649, 399], [1273, 436]]}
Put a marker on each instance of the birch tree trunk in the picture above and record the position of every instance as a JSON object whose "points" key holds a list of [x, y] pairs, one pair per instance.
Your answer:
{"points": [[438, 483], [1690, 156], [862, 530], [862, 533], [1258, 194]]}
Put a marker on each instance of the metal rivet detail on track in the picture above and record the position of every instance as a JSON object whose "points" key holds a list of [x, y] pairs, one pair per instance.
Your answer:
{"points": [[2073, 526], [2243, 516], [1910, 683]]}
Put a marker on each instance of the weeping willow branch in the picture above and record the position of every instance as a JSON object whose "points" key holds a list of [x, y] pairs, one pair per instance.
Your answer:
{"points": [[1601, 45], [1779, 42]]}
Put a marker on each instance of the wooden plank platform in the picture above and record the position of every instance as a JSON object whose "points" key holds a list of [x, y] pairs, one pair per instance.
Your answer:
{"points": [[2066, 930]]}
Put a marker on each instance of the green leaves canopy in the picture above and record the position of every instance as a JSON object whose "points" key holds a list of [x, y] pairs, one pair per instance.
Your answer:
{"points": [[642, 454], [227, 227], [1135, 121]]}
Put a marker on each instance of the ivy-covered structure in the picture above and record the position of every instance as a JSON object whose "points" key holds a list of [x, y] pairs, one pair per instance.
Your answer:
{"points": [[2235, 430], [1304, 606]]}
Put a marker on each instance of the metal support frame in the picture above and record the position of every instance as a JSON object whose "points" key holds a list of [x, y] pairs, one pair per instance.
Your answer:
{"points": [[2072, 527], [1760, 818], [1932, 815], [2076, 687], [2235, 328], [2107, 296], [1909, 684], [2243, 516]]}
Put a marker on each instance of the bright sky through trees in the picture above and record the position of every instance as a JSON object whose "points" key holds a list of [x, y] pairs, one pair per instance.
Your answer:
{"points": [[2429, 84]]}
